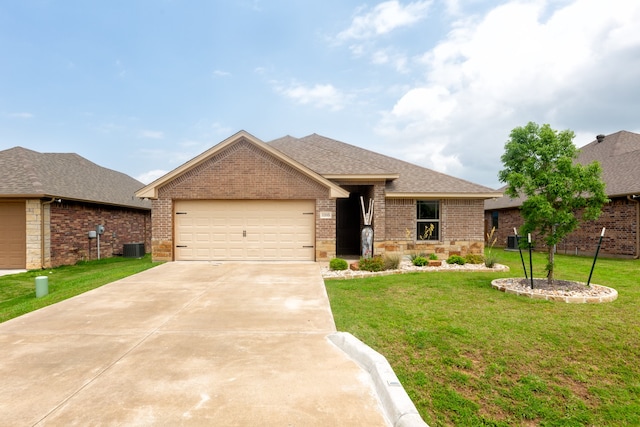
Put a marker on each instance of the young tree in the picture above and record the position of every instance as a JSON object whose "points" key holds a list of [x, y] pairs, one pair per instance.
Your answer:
{"points": [[539, 163]]}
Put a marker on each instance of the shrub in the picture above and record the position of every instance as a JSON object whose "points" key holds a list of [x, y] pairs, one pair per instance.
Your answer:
{"points": [[491, 259], [433, 257], [375, 263], [420, 261], [414, 255], [338, 264], [455, 259], [474, 259], [391, 262]]}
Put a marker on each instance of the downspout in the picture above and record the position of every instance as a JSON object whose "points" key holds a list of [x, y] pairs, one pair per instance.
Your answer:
{"points": [[634, 198], [53, 199]]}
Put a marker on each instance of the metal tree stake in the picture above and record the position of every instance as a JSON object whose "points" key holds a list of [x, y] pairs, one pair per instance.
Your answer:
{"points": [[530, 259], [520, 250], [596, 256]]}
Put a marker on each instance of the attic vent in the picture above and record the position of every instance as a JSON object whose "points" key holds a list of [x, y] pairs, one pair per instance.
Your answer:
{"points": [[600, 138]]}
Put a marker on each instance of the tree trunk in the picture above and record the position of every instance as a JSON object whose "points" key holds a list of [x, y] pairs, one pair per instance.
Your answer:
{"points": [[551, 265]]}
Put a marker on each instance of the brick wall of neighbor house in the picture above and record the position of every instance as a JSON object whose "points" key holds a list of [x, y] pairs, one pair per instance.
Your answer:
{"points": [[241, 171], [620, 217], [507, 220], [71, 222], [461, 224]]}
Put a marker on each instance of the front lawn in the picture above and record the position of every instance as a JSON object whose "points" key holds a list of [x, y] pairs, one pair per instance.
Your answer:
{"points": [[469, 355], [18, 295]]}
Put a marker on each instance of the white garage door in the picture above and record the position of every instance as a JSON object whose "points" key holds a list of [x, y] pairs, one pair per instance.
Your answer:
{"points": [[275, 230]]}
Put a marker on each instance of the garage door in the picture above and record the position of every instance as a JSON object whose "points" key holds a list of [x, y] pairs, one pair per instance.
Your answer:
{"points": [[275, 230], [13, 235]]}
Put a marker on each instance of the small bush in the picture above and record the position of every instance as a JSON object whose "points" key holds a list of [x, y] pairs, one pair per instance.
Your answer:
{"points": [[391, 262], [455, 259], [433, 257], [420, 261], [414, 255], [375, 263], [490, 260], [338, 264], [474, 259]]}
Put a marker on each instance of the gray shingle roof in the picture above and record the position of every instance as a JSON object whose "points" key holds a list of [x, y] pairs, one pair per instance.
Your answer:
{"points": [[619, 157], [27, 173], [329, 157]]}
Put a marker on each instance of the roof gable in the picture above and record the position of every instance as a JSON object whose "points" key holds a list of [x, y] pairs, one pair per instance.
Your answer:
{"points": [[151, 190], [334, 159], [27, 173]]}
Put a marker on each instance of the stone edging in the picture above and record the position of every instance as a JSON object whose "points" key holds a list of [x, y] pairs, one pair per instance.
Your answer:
{"points": [[612, 295], [396, 403]]}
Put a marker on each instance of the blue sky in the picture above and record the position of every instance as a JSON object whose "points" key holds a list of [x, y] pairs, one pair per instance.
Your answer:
{"points": [[143, 86]]}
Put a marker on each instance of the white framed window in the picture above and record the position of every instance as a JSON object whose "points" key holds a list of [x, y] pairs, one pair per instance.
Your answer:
{"points": [[428, 219]]}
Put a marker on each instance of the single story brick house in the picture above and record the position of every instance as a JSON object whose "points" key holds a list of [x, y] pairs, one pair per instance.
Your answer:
{"points": [[619, 157], [300, 199], [49, 202]]}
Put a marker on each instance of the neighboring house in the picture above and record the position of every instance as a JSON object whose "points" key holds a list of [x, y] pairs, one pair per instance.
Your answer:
{"points": [[50, 201], [299, 199], [619, 157]]}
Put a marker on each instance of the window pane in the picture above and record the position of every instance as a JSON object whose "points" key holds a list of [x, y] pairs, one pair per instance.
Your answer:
{"points": [[494, 219], [424, 234], [428, 209]]}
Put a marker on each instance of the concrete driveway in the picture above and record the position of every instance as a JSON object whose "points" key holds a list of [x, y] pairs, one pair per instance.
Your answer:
{"points": [[186, 344]]}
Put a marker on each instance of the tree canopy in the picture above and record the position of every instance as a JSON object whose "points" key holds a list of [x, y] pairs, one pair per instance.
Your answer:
{"points": [[540, 164]]}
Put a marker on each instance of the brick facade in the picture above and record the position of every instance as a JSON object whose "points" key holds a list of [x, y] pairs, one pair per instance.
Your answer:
{"points": [[620, 217], [70, 223], [241, 171], [244, 171], [460, 228]]}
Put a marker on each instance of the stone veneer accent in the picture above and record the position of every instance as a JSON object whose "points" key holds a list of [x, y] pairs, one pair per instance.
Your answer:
{"points": [[34, 234], [570, 299]]}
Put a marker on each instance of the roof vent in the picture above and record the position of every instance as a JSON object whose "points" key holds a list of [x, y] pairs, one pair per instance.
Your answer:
{"points": [[600, 138]]}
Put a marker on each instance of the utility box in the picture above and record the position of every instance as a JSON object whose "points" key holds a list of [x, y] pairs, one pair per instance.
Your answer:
{"points": [[42, 286], [513, 242], [133, 250]]}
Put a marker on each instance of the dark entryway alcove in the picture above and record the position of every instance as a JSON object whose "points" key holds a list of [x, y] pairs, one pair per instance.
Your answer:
{"points": [[349, 219]]}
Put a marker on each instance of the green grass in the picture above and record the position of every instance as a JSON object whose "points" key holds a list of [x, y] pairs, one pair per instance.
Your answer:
{"points": [[17, 291], [469, 355]]}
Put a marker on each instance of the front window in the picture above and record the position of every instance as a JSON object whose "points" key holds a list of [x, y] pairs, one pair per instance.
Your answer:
{"points": [[494, 219], [428, 219]]}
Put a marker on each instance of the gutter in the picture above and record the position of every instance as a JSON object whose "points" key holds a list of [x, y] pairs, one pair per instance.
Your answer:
{"points": [[635, 198]]}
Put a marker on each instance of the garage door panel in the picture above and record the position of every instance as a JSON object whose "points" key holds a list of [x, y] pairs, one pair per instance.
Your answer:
{"points": [[245, 230], [13, 235]]}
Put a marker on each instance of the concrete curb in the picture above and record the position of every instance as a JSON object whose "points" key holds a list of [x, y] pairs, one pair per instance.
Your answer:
{"points": [[397, 405]]}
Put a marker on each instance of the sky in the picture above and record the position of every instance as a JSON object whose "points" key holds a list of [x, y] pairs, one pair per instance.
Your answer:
{"points": [[142, 86]]}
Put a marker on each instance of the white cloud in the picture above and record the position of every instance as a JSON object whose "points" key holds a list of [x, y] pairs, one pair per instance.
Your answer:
{"points": [[150, 176], [319, 95], [397, 61], [151, 134], [21, 115], [221, 73], [569, 64], [384, 18]]}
